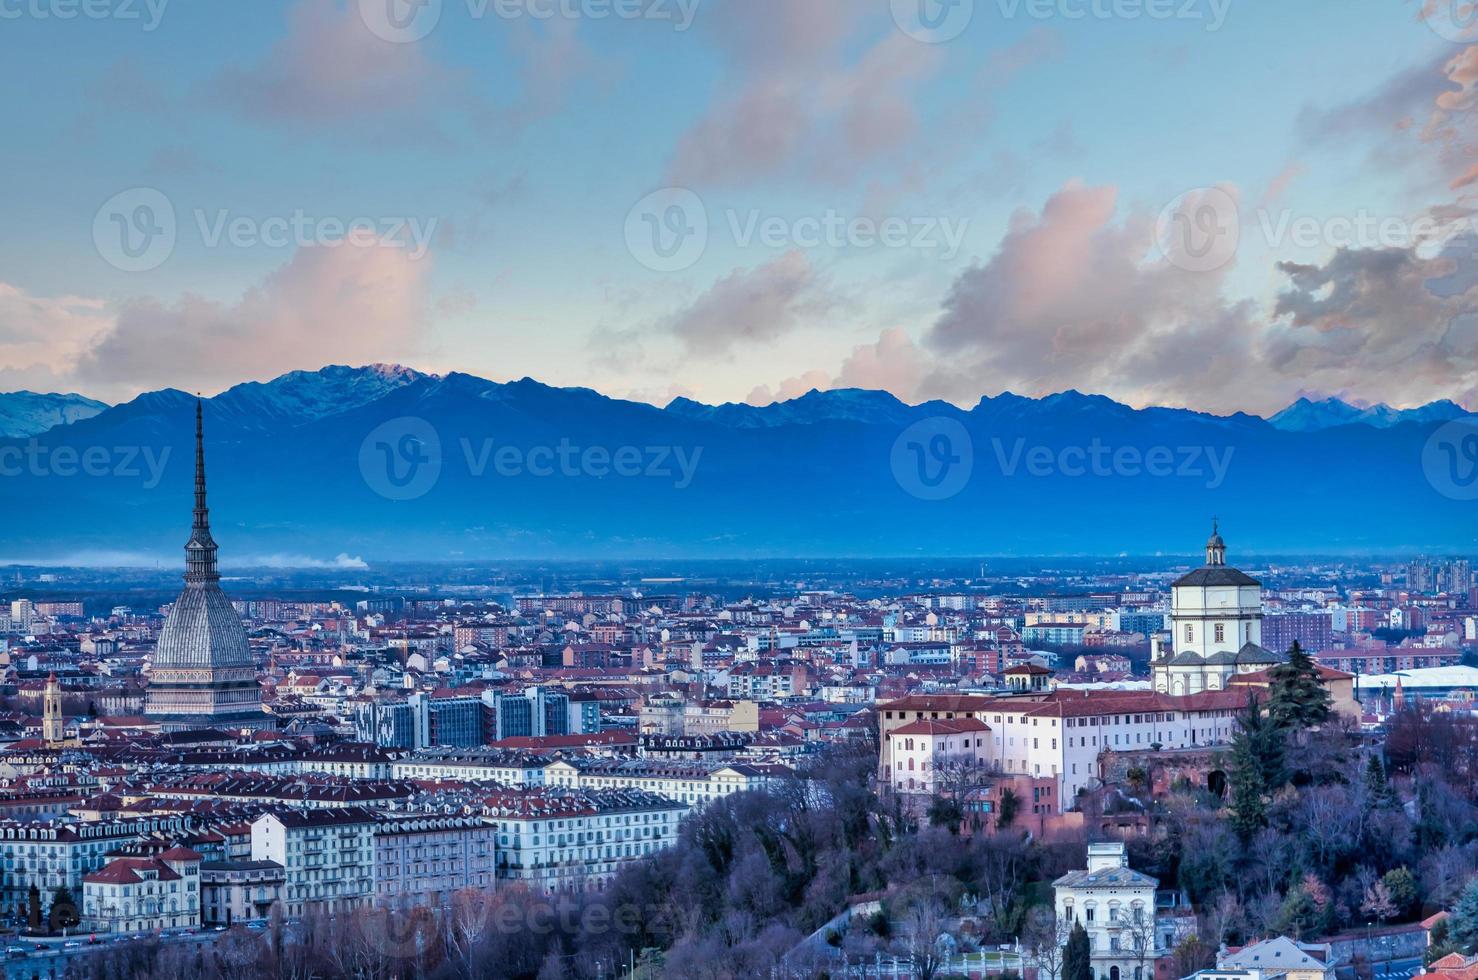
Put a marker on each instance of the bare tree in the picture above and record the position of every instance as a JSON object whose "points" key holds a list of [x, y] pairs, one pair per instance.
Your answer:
{"points": [[467, 923], [1221, 916], [926, 927], [1378, 903], [1140, 931], [1045, 938]]}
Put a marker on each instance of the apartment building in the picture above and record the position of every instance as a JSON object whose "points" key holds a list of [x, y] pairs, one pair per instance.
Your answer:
{"points": [[692, 785], [239, 890], [423, 859], [328, 856], [474, 765], [52, 854], [559, 839]]}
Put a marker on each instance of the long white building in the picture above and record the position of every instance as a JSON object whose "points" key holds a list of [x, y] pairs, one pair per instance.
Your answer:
{"points": [[1061, 734]]}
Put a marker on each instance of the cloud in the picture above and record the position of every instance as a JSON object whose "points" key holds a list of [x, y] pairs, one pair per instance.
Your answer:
{"points": [[42, 337], [330, 70], [893, 364], [1384, 320], [325, 300], [819, 87], [1419, 119], [1075, 298], [1279, 185], [1069, 300], [340, 561], [752, 306], [790, 388]]}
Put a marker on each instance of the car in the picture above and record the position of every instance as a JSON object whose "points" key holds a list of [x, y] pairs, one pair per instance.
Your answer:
{"points": [[16, 951], [71, 944], [257, 924], [218, 929], [40, 946]]}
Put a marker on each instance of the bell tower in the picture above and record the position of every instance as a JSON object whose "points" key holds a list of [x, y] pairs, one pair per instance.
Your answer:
{"points": [[53, 725]]}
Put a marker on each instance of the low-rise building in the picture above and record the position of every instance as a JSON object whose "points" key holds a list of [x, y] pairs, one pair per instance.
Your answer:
{"points": [[690, 784], [239, 891], [1279, 958], [143, 894], [926, 752], [1116, 905]]}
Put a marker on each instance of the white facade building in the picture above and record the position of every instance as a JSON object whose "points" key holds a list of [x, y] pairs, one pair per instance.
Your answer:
{"points": [[564, 839], [144, 894], [328, 856], [1062, 733], [1116, 905], [921, 750]]}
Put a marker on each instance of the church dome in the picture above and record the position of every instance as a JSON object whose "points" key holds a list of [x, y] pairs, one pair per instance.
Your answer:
{"points": [[202, 630]]}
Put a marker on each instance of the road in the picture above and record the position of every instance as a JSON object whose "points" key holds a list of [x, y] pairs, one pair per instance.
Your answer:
{"points": [[52, 961], [1397, 969]]}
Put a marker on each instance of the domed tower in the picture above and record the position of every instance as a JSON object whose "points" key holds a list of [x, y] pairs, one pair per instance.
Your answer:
{"points": [[1215, 626], [203, 674]]}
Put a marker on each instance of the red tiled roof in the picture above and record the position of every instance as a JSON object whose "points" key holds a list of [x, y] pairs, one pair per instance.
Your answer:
{"points": [[941, 726]]}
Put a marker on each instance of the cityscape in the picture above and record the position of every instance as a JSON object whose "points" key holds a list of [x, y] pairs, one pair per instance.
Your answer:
{"points": [[739, 490]]}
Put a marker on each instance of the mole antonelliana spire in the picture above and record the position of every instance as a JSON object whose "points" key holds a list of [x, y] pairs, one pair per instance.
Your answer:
{"points": [[203, 674], [200, 551]]}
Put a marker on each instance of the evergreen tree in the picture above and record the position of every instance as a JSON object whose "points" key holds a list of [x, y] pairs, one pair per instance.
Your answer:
{"points": [[1404, 890], [1077, 958], [1378, 787], [1462, 926], [63, 912], [1297, 698], [1257, 769]]}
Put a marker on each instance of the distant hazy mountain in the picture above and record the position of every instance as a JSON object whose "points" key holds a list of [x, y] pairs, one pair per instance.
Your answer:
{"points": [[1306, 415], [28, 413], [384, 462]]}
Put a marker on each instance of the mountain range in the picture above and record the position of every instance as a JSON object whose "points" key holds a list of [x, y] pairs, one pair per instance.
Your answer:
{"points": [[1306, 415], [29, 413], [383, 462]]}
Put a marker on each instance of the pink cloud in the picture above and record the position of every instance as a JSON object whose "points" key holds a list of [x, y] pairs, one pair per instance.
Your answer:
{"points": [[752, 306], [818, 88], [326, 300], [330, 69]]}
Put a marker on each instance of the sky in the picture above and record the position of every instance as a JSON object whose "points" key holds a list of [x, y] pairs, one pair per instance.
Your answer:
{"points": [[1217, 204]]}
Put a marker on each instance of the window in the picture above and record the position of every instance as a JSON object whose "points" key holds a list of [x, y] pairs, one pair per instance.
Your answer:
{"points": [[1221, 632], [1189, 632]]}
